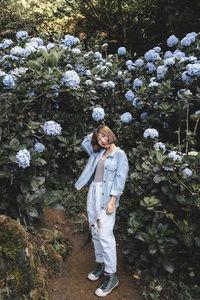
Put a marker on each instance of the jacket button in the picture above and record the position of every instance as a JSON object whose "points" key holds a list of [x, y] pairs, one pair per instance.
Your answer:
{"points": [[105, 167], [102, 194], [104, 181]]}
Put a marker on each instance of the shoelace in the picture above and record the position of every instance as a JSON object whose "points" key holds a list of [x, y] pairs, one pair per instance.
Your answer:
{"points": [[98, 269], [106, 283]]}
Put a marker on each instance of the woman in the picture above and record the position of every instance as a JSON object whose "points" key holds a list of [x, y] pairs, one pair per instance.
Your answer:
{"points": [[106, 170]]}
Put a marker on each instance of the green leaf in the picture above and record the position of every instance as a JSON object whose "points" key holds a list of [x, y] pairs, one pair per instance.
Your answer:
{"points": [[14, 143], [52, 60], [34, 65], [44, 53], [168, 266]]}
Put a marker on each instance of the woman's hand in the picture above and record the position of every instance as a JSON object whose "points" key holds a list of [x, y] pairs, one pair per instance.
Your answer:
{"points": [[111, 205]]}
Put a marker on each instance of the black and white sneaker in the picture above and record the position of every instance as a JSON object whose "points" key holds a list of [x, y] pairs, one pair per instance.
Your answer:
{"points": [[108, 285], [97, 272]]}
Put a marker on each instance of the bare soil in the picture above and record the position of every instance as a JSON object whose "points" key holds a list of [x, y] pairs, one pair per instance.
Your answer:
{"points": [[72, 283]]}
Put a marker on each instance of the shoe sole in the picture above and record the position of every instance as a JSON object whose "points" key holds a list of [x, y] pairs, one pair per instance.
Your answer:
{"points": [[107, 292]]}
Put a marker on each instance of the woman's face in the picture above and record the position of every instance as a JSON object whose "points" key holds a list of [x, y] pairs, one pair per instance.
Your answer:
{"points": [[102, 140]]}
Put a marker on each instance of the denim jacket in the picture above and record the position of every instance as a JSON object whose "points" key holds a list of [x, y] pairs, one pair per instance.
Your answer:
{"points": [[115, 171]]}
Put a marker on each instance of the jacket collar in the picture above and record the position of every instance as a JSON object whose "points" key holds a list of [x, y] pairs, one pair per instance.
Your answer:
{"points": [[111, 154]]}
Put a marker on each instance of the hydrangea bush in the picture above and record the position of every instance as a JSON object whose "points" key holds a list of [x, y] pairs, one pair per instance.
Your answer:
{"points": [[55, 92]]}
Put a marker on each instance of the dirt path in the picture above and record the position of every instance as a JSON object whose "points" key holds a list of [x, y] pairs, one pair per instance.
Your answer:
{"points": [[73, 284]]}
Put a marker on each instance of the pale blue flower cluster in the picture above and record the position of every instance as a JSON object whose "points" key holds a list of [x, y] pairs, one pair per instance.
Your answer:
{"points": [[161, 72], [137, 102], [186, 42], [185, 78], [151, 133], [159, 146], [169, 61], [70, 40], [17, 51], [129, 62], [21, 35], [98, 114], [2, 73], [23, 158], [173, 154], [152, 56], [88, 73], [168, 54], [37, 40], [184, 92], [39, 147], [121, 51], [179, 54], [172, 41], [52, 128], [137, 83], [119, 74], [126, 117], [197, 112], [193, 69], [50, 46], [76, 51], [157, 49], [151, 67], [129, 95], [139, 62], [97, 56], [168, 168], [104, 46], [108, 84], [7, 43], [8, 81], [143, 115], [71, 79], [153, 84], [187, 172]]}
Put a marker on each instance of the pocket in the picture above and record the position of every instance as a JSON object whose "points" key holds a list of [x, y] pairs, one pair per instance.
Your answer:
{"points": [[111, 171]]}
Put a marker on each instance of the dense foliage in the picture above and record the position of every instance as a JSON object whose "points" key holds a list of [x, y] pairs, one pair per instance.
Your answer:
{"points": [[53, 93]]}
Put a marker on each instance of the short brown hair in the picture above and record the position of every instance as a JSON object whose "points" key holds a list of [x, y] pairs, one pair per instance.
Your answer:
{"points": [[103, 129]]}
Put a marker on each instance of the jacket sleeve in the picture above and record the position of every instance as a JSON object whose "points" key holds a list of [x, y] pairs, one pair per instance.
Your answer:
{"points": [[87, 145], [121, 174]]}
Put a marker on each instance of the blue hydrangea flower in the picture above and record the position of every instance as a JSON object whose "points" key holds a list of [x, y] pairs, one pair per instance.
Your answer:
{"points": [[179, 54], [172, 41], [52, 128], [151, 67], [126, 117], [129, 95], [111, 84], [197, 112], [187, 172], [129, 62], [151, 56], [184, 92], [69, 40], [121, 51], [21, 35], [23, 158], [139, 62], [8, 81], [157, 49], [153, 84], [2, 73], [97, 56], [186, 42], [32, 94], [104, 46], [192, 36], [187, 79], [76, 51], [151, 133], [98, 114], [17, 51], [131, 67], [29, 49], [143, 115], [161, 72], [193, 69], [71, 79], [169, 61], [7, 43], [37, 40], [174, 156], [137, 83], [104, 84], [160, 146], [168, 168], [50, 46], [39, 147], [168, 54], [119, 74], [88, 73], [137, 102]]}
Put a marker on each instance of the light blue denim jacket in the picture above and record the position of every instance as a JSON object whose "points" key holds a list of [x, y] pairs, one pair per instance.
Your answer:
{"points": [[115, 171]]}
